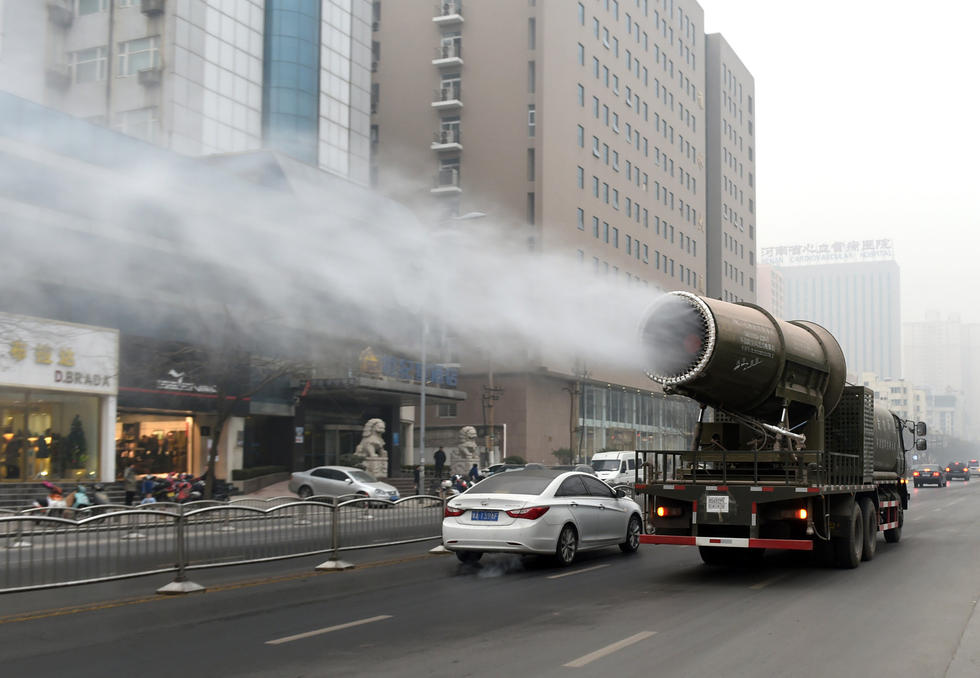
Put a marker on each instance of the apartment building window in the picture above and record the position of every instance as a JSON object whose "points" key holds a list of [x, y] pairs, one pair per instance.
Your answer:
{"points": [[615, 163], [446, 410], [580, 177], [616, 198], [581, 95], [581, 136], [629, 245], [581, 218], [595, 27], [629, 96], [530, 164], [595, 146], [605, 115], [581, 54], [605, 153], [595, 107], [615, 237], [89, 64], [139, 55], [530, 77], [530, 209], [531, 37], [605, 75], [605, 231], [646, 254], [615, 123], [595, 186], [605, 192], [615, 84], [581, 256], [92, 6], [581, 14], [595, 67], [531, 121], [595, 227], [605, 37]]}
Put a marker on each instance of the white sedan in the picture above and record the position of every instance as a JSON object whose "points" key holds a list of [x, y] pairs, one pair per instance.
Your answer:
{"points": [[540, 511]]}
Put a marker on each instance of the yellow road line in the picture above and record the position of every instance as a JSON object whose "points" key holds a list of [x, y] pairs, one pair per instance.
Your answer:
{"points": [[107, 605]]}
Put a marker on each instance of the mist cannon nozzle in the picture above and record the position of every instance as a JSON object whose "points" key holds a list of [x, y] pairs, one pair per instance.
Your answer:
{"points": [[739, 358]]}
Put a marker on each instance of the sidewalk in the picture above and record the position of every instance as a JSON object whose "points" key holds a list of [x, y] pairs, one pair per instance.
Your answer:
{"points": [[274, 490]]}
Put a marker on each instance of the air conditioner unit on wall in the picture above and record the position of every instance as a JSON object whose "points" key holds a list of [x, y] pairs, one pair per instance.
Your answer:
{"points": [[152, 7]]}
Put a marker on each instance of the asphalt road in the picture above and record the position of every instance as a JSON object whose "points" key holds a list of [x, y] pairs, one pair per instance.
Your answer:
{"points": [[403, 612]]}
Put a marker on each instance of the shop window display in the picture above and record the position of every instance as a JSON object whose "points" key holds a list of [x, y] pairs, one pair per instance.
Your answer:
{"points": [[48, 436], [153, 445]]}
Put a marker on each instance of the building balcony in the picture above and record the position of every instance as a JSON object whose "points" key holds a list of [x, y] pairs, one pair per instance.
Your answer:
{"points": [[61, 13], [446, 140], [150, 77], [445, 98], [448, 55], [153, 7], [448, 13], [447, 182]]}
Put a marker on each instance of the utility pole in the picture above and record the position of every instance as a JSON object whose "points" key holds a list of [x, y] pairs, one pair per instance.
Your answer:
{"points": [[491, 394]]}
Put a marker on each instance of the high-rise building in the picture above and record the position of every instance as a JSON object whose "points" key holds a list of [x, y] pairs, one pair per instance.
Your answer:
{"points": [[852, 289], [731, 243], [770, 292], [583, 127], [203, 76]]}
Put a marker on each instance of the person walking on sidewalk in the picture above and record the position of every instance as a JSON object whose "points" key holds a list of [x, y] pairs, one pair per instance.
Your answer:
{"points": [[440, 460], [129, 484]]}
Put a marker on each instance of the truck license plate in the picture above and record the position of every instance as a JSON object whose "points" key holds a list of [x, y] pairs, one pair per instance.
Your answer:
{"points": [[489, 515], [716, 503]]}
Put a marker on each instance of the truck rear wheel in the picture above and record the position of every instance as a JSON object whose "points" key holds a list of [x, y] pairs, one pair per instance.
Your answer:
{"points": [[870, 515], [850, 545], [893, 535]]}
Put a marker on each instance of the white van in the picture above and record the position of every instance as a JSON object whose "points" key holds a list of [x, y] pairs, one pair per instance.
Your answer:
{"points": [[615, 468]]}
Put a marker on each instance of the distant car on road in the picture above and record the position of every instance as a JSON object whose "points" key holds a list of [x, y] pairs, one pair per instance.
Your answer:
{"points": [[958, 470], [335, 481], [929, 474], [975, 467], [540, 511]]}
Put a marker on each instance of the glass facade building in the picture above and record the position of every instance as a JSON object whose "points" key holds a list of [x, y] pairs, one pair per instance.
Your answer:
{"points": [[291, 89]]}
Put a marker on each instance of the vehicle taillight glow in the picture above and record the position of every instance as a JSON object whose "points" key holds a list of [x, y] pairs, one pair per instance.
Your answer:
{"points": [[947, 469], [452, 512], [915, 473], [935, 473], [531, 513], [802, 514], [666, 512]]}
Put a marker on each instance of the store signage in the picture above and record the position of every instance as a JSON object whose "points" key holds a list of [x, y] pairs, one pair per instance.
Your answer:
{"points": [[47, 354], [174, 381], [850, 251], [384, 365]]}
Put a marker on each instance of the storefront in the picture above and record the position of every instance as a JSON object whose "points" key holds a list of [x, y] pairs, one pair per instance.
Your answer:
{"points": [[58, 386]]}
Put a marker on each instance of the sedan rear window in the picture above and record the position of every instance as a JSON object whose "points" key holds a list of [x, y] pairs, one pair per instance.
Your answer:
{"points": [[515, 482]]}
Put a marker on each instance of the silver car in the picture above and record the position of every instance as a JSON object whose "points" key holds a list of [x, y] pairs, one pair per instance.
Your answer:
{"points": [[335, 481]]}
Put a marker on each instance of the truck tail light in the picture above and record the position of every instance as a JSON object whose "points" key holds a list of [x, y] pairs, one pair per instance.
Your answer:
{"points": [[451, 512], [667, 512], [802, 514], [532, 513]]}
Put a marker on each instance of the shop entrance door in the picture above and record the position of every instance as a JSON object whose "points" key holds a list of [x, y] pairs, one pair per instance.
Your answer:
{"points": [[339, 440]]}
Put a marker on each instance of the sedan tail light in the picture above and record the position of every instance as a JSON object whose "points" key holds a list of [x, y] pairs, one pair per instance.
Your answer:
{"points": [[451, 512], [947, 469], [915, 473], [532, 513], [935, 474]]}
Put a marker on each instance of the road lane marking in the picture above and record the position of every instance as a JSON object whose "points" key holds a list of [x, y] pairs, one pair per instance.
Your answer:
{"points": [[584, 569], [318, 632], [608, 649], [764, 584]]}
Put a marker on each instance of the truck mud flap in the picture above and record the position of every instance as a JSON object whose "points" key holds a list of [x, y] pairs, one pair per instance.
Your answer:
{"points": [[730, 542]]}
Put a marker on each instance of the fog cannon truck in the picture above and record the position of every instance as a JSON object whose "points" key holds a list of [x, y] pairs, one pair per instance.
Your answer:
{"points": [[784, 454]]}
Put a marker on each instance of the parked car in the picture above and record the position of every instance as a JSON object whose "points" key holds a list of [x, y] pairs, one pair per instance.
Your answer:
{"points": [[335, 481], [975, 467], [929, 474], [500, 468], [540, 511], [958, 470]]}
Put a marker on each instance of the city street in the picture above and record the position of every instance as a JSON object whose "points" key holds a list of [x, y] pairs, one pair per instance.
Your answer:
{"points": [[405, 612]]}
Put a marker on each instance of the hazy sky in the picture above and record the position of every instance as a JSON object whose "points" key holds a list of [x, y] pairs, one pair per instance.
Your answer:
{"points": [[867, 116]]}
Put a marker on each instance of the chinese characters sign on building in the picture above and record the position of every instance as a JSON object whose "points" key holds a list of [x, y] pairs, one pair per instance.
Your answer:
{"points": [[46, 354], [848, 252], [385, 365]]}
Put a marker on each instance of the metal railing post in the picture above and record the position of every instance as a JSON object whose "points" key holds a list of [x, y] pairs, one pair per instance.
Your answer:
{"points": [[180, 584], [333, 562]]}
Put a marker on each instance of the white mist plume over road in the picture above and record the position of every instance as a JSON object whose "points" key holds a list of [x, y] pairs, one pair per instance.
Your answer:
{"points": [[341, 262]]}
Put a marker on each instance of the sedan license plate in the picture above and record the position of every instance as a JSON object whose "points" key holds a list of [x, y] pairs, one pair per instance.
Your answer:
{"points": [[485, 515]]}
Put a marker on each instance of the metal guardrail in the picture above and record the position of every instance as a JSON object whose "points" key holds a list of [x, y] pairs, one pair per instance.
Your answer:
{"points": [[102, 543]]}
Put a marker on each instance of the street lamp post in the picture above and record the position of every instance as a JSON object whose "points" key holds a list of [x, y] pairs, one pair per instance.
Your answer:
{"points": [[424, 379]]}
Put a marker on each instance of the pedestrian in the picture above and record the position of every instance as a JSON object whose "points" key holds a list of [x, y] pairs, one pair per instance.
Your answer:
{"points": [[440, 460], [417, 474], [129, 484], [474, 473]]}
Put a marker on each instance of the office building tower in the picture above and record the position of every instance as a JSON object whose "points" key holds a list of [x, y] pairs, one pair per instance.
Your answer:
{"points": [[203, 76]]}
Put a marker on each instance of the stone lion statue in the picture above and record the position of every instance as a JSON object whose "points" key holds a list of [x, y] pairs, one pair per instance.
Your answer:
{"points": [[467, 443], [372, 443]]}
